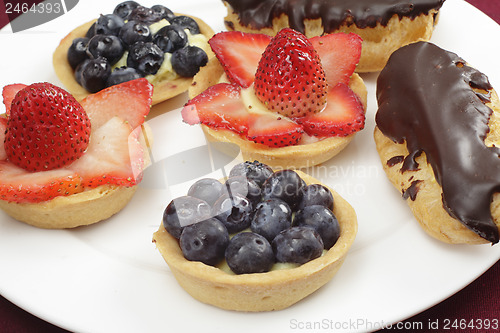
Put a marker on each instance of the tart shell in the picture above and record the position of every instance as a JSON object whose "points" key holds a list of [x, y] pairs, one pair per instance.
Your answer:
{"points": [[162, 91], [269, 291]]}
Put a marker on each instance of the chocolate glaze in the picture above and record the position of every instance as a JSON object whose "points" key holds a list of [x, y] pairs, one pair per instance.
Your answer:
{"points": [[259, 14], [426, 99]]}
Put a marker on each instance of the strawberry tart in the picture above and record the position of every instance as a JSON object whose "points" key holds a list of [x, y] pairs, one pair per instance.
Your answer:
{"points": [[287, 101], [132, 42], [65, 164], [384, 25]]}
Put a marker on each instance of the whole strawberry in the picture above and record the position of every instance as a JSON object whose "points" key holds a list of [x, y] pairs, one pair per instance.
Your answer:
{"points": [[47, 128], [289, 79]]}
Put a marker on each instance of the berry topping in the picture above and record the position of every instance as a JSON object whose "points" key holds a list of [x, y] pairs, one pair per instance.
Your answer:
{"points": [[207, 189], [124, 9], [273, 130], [339, 54], [285, 185], [297, 245], [255, 171], [271, 217], [205, 241], [106, 46], [342, 116], [121, 75], [109, 24], [316, 194], [93, 74], [144, 14], [133, 32], [239, 53], [77, 52], [171, 38], [146, 57], [21, 186], [248, 252], [187, 61], [322, 220], [8, 94], [220, 106], [47, 128], [184, 211], [243, 186], [289, 79], [234, 211], [163, 12], [186, 22]]}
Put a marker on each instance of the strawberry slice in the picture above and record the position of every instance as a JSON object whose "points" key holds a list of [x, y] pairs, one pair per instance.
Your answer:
{"points": [[239, 53], [3, 127], [220, 106], [342, 116], [273, 131], [108, 159], [289, 79], [8, 94], [339, 54], [21, 186], [130, 101]]}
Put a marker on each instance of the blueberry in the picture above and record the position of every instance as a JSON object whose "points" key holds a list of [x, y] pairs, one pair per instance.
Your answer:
{"points": [[133, 32], [77, 52], [144, 14], [170, 38], [124, 9], [285, 185], [187, 61], [207, 189], [205, 241], [91, 32], [271, 217], [163, 12], [316, 194], [122, 74], [146, 57], [248, 252], [255, 171], [94, 74], [109, 24], [234, 211], [184, 211], [186, 22], [78, 71], [243, 186], [322, 220], [297, 245], [106, 46]]}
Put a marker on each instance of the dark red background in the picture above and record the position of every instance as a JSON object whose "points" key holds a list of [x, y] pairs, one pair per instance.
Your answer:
{"points": [[479, 300]]}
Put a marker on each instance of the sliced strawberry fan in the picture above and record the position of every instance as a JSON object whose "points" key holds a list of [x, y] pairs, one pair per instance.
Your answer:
{"points": [[242, 55], [115, 154]]}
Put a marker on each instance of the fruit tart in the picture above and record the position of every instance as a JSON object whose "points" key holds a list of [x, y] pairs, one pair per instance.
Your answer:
{"points": [[259, 240], [134, 41], [64, 164], [287, 101]]}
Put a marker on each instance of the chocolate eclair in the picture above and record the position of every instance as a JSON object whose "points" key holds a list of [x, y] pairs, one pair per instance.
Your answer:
{"points": [[437, 136], [384, 25]]}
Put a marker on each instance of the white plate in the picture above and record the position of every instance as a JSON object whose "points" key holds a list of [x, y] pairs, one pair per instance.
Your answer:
{"points": [[109, 277]]}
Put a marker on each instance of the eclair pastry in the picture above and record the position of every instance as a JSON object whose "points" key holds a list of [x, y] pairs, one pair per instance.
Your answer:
{"points": [[384, 25], [437, 136]]}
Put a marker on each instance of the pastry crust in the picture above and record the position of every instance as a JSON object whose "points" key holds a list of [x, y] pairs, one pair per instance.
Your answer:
{"points": [[427, 204], [296, 157], [162, 91], [379, 42], [269, 291]]}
